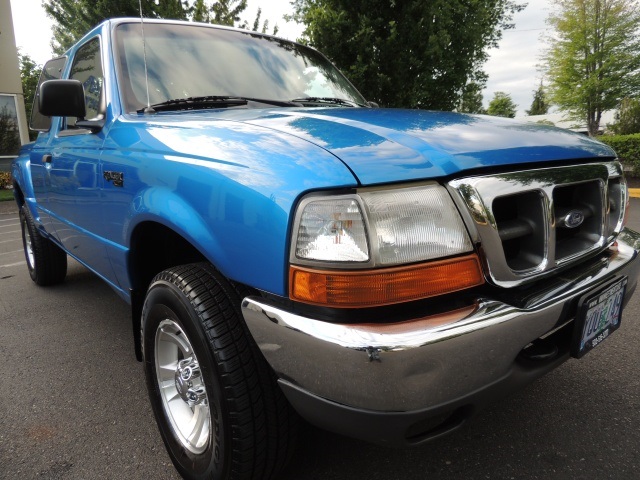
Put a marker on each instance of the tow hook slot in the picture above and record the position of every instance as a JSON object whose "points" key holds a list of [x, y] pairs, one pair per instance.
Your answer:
{"points": [[540, 351]]}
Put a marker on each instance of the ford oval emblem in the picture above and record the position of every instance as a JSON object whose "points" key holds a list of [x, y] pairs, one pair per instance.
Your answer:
{"points": [[574, 219]]}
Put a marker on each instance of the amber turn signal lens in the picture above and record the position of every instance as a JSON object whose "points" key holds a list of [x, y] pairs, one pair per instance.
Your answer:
{"points": [[370, 288]]}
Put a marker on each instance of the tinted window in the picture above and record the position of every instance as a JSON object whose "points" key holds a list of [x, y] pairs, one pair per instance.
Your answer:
{"points": [[9, 128], [51, 71], [87, 68]]}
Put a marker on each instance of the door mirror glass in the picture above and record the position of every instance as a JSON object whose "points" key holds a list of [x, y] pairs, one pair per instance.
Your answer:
{"points": [[52, 70]]}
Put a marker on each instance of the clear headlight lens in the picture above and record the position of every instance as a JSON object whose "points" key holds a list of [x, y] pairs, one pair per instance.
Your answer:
{"points": [[332, 230], [380, 227], [415, 224]]}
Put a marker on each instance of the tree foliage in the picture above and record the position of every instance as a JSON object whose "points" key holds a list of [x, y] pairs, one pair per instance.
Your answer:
{"points": [[471, 99], [201, 12], [627, 147], [539, 105], [227, 12], [501, 105], [409, 53], [627, 117], [29, 73], [260, 27], [593, 59], [73, 18]]}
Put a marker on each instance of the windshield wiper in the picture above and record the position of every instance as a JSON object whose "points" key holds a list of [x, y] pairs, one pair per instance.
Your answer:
{"points": [[328, 100], [193, 103], [212, 101]]}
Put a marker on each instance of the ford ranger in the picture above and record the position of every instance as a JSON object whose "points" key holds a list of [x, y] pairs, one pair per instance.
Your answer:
{"points": [[290, 250]]}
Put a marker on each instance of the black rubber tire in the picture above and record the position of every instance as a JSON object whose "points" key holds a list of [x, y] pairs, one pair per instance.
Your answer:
{"points": [[48, 266], [253, 427]]}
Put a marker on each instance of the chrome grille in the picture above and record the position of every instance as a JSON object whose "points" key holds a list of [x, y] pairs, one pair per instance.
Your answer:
{"points": [[581, 202], [529, 223], [520, 223]]}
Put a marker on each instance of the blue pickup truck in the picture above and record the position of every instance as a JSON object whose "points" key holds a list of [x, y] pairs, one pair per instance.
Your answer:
{"points": [[290, 250]]}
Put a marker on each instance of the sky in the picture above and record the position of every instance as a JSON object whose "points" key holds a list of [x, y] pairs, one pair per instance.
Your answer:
{"points": [[512, 67]]}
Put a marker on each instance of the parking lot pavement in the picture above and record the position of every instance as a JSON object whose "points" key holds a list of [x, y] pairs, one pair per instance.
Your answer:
{"points": [[11, 253], [73, 404]]}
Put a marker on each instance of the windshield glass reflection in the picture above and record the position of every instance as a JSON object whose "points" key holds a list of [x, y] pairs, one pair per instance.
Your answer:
{"points": [[191, 61]]}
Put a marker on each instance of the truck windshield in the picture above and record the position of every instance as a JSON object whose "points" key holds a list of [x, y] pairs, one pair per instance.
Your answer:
{"points": [[186, 61]]}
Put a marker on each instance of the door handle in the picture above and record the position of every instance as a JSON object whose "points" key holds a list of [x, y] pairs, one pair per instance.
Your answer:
{"points": [[46, 158]]}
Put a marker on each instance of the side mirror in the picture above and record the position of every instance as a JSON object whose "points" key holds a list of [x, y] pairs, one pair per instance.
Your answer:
{"points": [[62, 98]]}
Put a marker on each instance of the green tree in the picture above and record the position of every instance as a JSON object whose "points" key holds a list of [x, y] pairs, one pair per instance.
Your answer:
{"points": [[224, 13], [73, 18], [501, 105], [257, 26], [200, 12], [227, 12], [174, 9], [30, 73], [471, 99], [539, 105], [627, 117], [593, 57], [406, 53]]}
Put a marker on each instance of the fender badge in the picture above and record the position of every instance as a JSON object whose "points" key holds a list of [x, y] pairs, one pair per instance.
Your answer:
{"points": [[116, 177], [573, 219]]}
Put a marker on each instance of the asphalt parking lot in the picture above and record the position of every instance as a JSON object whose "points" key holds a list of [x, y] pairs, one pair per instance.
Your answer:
{"points": [[73, 403]]}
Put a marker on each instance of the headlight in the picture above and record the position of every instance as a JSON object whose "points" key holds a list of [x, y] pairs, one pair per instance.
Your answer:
{"points": [[332, 230], [380, 246], [415, 224]]}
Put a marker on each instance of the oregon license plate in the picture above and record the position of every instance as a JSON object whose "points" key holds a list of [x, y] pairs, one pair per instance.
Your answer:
{"points": [[598, 316]]}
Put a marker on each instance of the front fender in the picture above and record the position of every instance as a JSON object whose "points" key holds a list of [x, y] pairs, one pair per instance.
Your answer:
{"points": [[226, 187], [225, 231], [163, 206]]}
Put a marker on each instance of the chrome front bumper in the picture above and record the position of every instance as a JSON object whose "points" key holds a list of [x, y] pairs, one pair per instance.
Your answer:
{"points": [[426, 363]]}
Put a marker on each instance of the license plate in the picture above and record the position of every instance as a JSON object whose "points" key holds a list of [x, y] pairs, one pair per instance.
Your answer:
{"points": [[598, 316]]}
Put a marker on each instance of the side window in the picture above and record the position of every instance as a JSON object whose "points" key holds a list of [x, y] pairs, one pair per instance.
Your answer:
{"points": [[52, 70], [87, 68]]}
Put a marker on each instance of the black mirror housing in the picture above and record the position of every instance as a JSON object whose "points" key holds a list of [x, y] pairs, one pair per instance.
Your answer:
{"points": [[62, 98]]}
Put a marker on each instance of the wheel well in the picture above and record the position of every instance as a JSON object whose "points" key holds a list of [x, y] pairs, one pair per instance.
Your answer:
{"points": [[154, 248]]}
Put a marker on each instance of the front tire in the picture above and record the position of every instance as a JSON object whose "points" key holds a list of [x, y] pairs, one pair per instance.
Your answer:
{"points": [[220, 413], [47, 263]]}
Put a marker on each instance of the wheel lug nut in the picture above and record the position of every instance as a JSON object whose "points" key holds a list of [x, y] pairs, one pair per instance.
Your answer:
{"points": [[188, 369], [196, 396]]}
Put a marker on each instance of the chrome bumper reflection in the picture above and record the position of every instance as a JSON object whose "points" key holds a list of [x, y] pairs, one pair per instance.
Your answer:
{"points": [[427, 362]]}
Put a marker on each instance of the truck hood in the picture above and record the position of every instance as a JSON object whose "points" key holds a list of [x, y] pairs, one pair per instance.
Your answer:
{"points": [[389, 145], [385, 145]]}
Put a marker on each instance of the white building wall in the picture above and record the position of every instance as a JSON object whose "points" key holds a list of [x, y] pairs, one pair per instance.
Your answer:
{"points": [[10, 83]]}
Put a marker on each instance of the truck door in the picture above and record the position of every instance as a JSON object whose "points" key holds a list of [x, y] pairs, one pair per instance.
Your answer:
{"points": [[74, 171], [40, 166]]}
